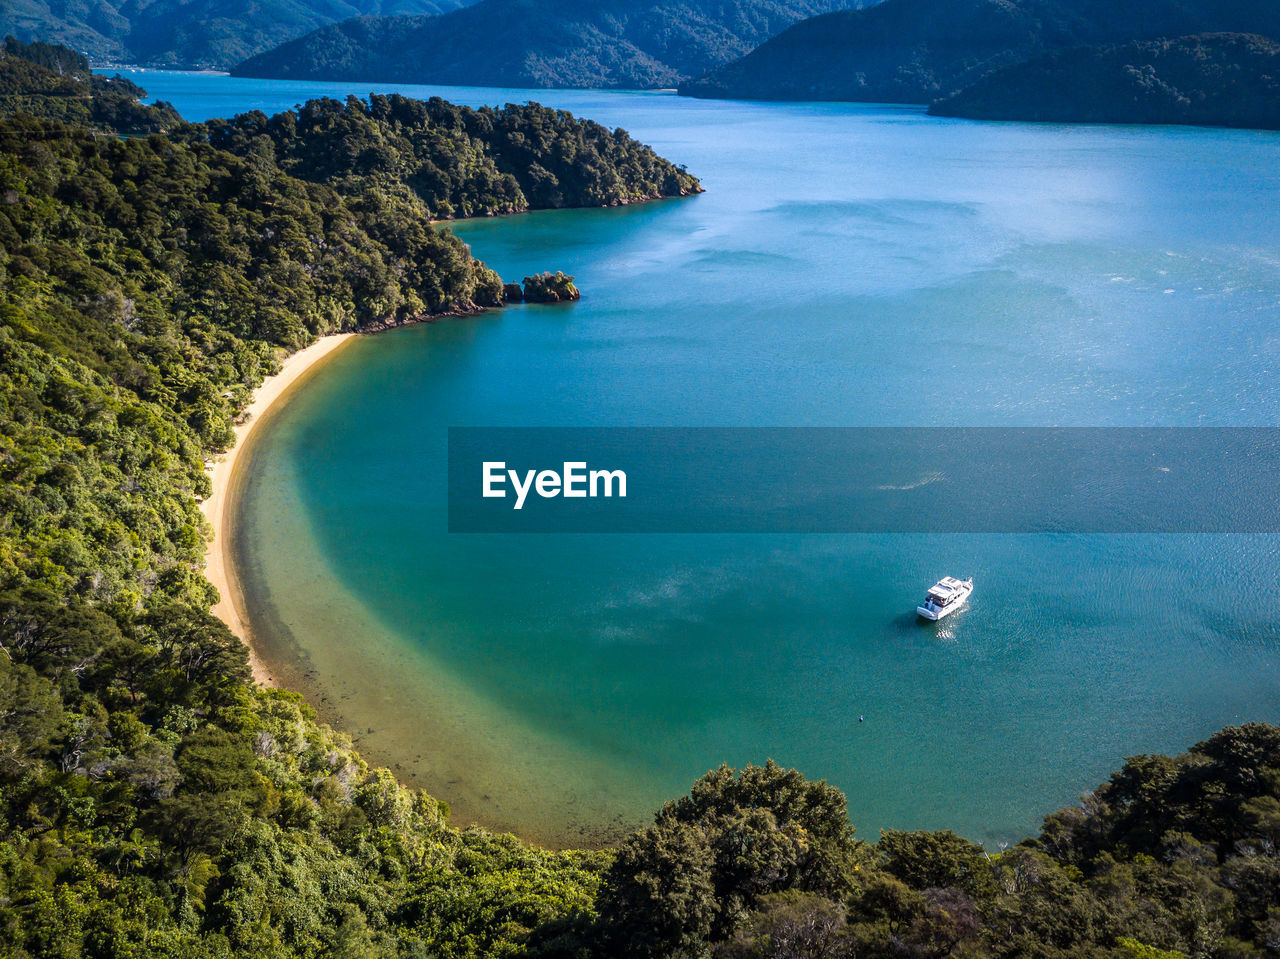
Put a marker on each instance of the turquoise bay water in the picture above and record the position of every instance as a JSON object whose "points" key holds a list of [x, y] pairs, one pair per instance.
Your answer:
{"points": [[849, 265]]}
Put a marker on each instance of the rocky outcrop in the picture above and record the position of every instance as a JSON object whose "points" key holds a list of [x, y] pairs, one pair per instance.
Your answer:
{"points": [[470, 308], [550, 288]]}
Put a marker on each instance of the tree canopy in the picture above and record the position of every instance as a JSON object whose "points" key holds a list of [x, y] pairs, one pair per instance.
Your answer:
{"points": [[455, 160], [51, 82]]}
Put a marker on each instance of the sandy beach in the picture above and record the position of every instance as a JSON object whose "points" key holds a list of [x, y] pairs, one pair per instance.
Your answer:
{"points": [[218, 561]]}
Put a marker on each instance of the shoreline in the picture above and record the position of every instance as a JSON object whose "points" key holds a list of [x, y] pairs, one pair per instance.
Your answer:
{"points": [[219, 567]]}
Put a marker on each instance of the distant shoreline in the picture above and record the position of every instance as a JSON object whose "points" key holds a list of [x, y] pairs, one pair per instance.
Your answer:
{"points": [[217, 508], [142, 68]]}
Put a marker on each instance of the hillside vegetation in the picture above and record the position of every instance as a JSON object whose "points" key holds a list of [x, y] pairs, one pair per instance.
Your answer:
{"points": [[188, 33], [51, 82], [455, 160], [1224, 79], [640, 44], [918, 51], [156, 804]]}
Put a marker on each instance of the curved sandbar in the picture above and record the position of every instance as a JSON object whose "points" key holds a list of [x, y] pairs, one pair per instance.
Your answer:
{"points": [[219, 568]]}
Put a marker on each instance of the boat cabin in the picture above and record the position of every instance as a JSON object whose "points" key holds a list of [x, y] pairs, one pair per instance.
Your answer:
{"points": [[945, 592]]}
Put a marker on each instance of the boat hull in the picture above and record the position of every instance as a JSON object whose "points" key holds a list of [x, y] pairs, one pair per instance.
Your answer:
{"points": [[937, 614]]}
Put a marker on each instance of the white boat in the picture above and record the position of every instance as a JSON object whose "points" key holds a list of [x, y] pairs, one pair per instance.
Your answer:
{"points": [[945, 597]]}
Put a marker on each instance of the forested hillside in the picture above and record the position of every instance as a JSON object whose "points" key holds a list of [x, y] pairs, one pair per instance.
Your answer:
{"points": [[917, 51], [1223, 79], [456, 160], [53, 83], [639, 44], [155, 802], [188, 33]]}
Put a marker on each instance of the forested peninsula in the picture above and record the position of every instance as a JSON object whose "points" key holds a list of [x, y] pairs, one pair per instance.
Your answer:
{"points": [[454, 160], [51, 82], [155, 802]]}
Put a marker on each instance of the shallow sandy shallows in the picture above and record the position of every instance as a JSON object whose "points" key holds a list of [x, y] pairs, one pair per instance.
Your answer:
{"points": [[218, 562]]}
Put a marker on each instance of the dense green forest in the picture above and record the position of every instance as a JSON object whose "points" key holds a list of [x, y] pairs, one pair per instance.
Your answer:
{"points": [[155, 802], [641, 44], [919, 51], [54, 83], [1224, 79], [456, 160], [188, 33]]}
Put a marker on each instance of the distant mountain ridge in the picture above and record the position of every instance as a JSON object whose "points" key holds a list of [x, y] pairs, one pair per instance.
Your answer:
{"points": [[198, 33], [541, 43], [918, 51]]}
